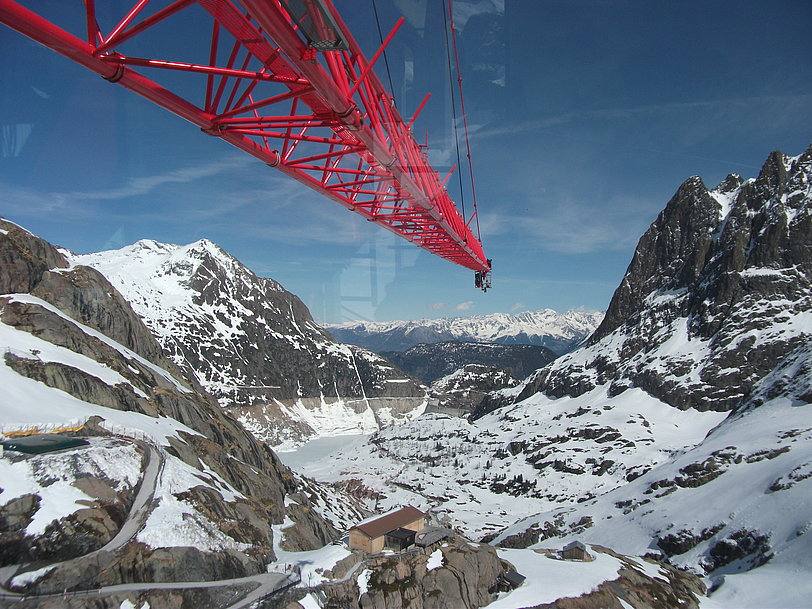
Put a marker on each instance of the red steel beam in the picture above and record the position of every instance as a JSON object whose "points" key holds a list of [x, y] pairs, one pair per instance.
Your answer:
{"points": [[348, 111]]}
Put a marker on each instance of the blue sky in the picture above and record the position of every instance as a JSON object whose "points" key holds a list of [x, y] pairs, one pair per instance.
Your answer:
{"points": [[585, 118]]}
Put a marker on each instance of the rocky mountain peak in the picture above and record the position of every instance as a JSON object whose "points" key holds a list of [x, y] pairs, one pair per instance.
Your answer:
{"points": [[77, 356], [714, 298], [26, 257], [774, 173], [730, 183], [254, 345], [669, 256]]}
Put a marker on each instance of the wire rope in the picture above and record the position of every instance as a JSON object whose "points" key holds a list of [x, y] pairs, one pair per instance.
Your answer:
{"points": [[464, 121], [453, 106], [385, 58]]}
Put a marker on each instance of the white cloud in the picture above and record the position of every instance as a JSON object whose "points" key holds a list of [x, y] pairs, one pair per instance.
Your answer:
{"points": [[145, 184], [709, 110], [464, 306], [437, 306], [31, 201], [517, 306], [565, 223]]}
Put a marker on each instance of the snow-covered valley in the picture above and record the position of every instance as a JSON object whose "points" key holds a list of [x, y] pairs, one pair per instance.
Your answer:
{"points": [[482, 476], [680, 431]]}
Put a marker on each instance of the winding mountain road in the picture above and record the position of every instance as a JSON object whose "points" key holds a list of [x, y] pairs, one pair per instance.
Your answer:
{"points": [[142, 505]]}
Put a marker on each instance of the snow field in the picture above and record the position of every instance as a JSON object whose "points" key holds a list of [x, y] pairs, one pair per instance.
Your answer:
{"points": [[51, 476], [738, 499], [175, 522], [549, 579], [449, 465]]}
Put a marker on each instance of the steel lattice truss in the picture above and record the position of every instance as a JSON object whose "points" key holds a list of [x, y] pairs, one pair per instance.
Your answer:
{"points": [[284, 81]]}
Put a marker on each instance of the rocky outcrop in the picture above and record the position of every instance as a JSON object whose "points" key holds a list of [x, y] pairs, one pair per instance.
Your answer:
{"points": [[461, 575], [467, 578], [24, 259], [713, 299], [633, 588]]}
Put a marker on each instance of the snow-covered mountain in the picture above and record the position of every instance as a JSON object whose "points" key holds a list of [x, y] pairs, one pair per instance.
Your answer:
{"points": [[167, 486], [735, 508], [254, 345], [170, 502], [717, 294], [682, 429], [560, 332]]}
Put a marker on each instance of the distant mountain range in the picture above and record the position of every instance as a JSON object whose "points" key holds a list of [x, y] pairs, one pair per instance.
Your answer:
{"points": [[559, 332]]}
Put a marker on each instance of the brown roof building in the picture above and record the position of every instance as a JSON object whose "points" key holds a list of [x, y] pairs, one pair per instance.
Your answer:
{"points": [[370, 535]]}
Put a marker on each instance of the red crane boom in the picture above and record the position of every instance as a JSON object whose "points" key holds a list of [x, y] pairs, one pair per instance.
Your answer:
{"points": [[284, 81]]}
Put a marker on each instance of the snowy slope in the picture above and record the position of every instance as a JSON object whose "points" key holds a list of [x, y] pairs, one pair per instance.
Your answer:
{"points": [[254, 345], [739, 500], [682, 429], [26, 403], [558, 331], [172, 482]]}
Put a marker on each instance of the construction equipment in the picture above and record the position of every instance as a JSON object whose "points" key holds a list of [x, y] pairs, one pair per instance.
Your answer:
{"points": [[284, 81]]}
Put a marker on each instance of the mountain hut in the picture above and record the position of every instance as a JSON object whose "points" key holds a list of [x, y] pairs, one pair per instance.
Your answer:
{"points": [[395, 529], [575, 551]]}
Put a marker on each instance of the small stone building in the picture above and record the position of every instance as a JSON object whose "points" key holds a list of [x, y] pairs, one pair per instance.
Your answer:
{"points": [[371, 535], [509, 581], [575, 551]]}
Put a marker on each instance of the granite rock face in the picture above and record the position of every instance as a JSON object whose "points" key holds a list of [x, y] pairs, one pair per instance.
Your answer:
{"points": [[718, 292], [467, 578], [96, 335]]}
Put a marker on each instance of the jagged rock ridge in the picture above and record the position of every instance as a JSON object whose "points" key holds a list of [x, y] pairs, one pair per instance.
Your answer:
{"points": [[719, 290], [254, 345]]}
